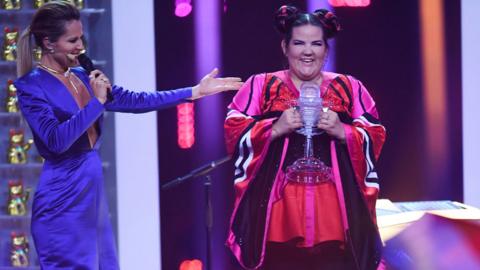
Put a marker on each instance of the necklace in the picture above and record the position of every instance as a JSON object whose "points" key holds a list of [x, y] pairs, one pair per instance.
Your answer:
{"points": [[67, 74]]}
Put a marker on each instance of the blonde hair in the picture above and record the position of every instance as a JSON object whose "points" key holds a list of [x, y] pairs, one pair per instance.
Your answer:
{"points": [[24, 53]]}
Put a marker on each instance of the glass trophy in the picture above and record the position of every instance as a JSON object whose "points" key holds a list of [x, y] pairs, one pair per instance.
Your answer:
{"points": [[309, 169]]}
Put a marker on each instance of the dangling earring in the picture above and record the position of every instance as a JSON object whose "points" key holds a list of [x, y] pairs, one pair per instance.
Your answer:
{"points": [[51, 50]]}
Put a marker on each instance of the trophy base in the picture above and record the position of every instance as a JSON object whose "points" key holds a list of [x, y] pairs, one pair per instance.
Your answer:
{"points": [[309, 171]]}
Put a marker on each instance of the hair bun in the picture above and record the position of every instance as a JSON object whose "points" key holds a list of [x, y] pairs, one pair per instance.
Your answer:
{"points": [[329, 21], [284, 16]]}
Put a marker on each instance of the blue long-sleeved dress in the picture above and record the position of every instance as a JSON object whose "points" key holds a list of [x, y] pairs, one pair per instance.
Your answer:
{"points": [[70, 223]]}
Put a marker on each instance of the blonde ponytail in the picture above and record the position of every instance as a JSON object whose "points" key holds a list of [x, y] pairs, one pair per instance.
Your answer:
{"points": [[24, 53]]}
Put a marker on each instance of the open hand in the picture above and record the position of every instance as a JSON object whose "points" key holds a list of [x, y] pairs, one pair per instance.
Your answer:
{"points": [[210, 85]]}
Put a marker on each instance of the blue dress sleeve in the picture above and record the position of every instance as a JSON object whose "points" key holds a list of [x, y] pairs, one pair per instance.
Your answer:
{"points": [[56, 135], [140, 102]]}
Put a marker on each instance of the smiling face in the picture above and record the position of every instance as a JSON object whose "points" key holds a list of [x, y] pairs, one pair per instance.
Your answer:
{"points": [[306, 52], [68, 46]]}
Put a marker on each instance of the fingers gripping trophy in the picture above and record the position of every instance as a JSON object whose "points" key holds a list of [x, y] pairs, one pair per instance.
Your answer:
{"points": [[309, 169]]}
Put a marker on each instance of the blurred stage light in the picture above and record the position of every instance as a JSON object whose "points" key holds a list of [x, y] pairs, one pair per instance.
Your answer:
{"points": [[183, 8], [185, 125], [191, 265], [435, 242], [349, 3]]}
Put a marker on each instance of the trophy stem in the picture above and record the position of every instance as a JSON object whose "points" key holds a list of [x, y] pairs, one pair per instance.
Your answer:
{"points": [[308, 146], [308, 169]]}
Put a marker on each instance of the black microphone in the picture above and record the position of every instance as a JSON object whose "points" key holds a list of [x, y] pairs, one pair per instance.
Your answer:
{"points": [[87, 64]]}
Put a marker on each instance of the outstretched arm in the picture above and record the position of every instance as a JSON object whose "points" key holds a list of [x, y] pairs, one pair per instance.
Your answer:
{"points": [[140, 102]]}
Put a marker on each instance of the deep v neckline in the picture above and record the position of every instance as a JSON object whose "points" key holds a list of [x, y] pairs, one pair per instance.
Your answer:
{"points": [[56, 80]]}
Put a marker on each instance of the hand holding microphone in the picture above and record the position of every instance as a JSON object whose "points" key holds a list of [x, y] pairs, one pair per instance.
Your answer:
{"points": [[101, 85]]}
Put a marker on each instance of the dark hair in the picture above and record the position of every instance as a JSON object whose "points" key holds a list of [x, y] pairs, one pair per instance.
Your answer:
{"points": [[50, 19], [287, 17], [48, 22]]}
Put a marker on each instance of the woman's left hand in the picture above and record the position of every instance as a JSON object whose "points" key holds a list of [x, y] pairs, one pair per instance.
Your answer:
{"points": [[100, 84], [330, 123], [210, 85]]}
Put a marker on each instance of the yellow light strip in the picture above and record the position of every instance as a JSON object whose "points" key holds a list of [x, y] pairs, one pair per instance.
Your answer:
{"points": [[434, 81]]}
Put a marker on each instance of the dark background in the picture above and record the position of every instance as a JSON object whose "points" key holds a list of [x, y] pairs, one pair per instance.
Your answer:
{"points": [[379, 44]]}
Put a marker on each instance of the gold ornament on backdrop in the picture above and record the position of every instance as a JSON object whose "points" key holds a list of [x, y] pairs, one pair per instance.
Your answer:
{"points": [[17, 151], [19, 250], [10, 4], [10, 44], [37, 53], [38, 3], [77, 3], [12, 100], [17, 198]]}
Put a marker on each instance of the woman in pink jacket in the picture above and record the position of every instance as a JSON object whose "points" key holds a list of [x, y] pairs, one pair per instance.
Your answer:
{"points": [[281, 224]]}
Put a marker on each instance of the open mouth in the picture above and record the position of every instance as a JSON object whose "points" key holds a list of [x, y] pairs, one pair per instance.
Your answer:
{"points": [[307, 61], [74, 56]]}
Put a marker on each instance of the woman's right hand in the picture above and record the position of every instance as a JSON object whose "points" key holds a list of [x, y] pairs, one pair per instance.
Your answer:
{"points": [[288, 122], [100, 85]]}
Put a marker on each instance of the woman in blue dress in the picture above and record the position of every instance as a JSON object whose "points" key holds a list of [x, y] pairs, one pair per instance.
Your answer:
{"points": [[63, 106]]}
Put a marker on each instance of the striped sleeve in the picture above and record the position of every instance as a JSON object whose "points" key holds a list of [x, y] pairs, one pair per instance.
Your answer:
{"points": [[247, 136], [365, 138]]}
